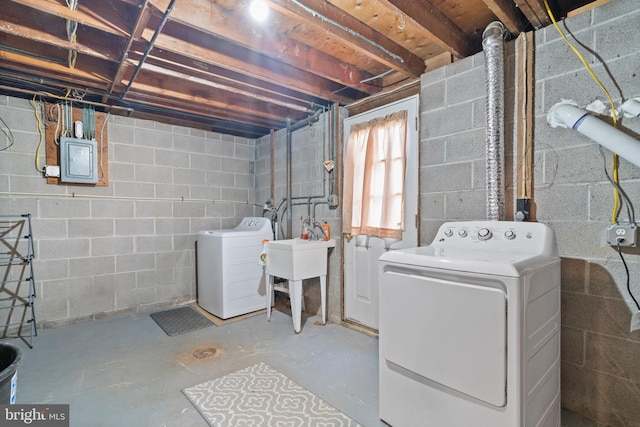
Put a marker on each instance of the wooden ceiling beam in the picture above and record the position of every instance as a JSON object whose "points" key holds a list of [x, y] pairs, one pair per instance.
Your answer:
{"points": [[99, 47], [355, 34], [183, 67], [535, 12], [93, 75], [141, 22], [443, 31], [33, 49], [222, 24], [302, 56], [99, 15], [177, 105], [198, 94], [283, 74], [507, 12]]}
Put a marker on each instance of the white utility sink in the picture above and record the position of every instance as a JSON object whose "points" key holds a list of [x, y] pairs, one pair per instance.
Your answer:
{"points": [[297, 259]]}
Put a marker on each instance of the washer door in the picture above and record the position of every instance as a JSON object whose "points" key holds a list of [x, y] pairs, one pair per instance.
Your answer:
{"points": [[452, 333]]}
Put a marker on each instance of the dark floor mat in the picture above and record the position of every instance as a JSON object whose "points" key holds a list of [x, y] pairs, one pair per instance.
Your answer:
{"points": [[180, 320]]}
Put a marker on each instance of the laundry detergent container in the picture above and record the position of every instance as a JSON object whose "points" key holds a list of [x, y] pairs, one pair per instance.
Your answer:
{"points": [[230, 278], [10, 360]]}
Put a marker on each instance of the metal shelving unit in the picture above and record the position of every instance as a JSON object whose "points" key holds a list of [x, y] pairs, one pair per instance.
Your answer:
{"points": [[18, 288]]}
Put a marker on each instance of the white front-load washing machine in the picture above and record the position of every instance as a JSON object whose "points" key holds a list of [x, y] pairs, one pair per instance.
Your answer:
{"points": [[470, 328], [230, 279]]}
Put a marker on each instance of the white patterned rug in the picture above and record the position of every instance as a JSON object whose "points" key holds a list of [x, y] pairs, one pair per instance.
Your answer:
{"points": [[260, 396]]}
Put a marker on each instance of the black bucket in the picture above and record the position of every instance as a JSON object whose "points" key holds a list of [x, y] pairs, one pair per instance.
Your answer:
{"points": [[10, 359]]}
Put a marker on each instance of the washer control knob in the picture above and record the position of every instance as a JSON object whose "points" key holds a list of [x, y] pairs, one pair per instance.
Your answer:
{"points": [[448, 232], [462, 233], [509, 234], [484, 234]]}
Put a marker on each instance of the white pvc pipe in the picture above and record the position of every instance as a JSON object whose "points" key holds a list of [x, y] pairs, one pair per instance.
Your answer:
{"points": [[615, 140], [631, 108]]}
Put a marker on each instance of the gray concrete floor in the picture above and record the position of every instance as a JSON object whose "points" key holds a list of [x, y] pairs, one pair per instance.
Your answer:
{"points": [[127, 372]]}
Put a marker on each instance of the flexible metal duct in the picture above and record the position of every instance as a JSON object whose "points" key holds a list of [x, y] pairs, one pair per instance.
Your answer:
{"points": [[492, 44]]}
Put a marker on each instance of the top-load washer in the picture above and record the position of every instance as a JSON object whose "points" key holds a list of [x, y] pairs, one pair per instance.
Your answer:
{"points": [[470, 328], [230, 278]]}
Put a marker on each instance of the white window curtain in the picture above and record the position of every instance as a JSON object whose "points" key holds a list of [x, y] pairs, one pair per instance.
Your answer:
{"points": [[374, 169]]}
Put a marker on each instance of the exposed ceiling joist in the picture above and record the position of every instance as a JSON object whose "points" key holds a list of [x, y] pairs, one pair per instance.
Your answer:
{"points": [[442, 30], [535, 12], [207, 64], [507, 13]]}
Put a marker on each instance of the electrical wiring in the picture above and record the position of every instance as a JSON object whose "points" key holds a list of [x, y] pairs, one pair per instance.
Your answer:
{"points": [[627, 202], [63, 120], [55, 133], [39, 120], [7, 132], [616, 206], [72, 27], [70, 119], [73, 55], [104, 123], [626, 268], [614, 180]]}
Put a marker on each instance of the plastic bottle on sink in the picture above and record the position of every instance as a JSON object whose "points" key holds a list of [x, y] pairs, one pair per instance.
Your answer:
{"points": [[327, 231]]}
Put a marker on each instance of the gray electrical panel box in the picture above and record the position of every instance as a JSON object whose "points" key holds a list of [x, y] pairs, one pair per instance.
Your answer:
{"points": [[78, 160]]}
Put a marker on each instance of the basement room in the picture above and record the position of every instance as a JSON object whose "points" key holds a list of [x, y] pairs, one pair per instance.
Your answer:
{"points": [[319, 213]]}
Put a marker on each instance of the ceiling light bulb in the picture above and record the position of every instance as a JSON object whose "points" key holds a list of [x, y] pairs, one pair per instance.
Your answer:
{"points": [[259, 10]]}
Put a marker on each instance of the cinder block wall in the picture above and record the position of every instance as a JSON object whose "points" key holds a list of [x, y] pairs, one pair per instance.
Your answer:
{"points": [[129, 246], [310, 146], [600, 369]]}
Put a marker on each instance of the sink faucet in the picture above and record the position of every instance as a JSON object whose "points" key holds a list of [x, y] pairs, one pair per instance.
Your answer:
{"points": [[315, 236]]}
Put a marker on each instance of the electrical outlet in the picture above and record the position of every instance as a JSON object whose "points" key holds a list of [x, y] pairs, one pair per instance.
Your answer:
{"points": [[52, 171], [622, 234], [333, 201]]}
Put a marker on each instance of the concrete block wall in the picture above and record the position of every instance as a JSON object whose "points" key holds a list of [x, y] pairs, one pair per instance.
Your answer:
{"points": [[310, 146], [600, 374], [452, 147], [129, 246]]}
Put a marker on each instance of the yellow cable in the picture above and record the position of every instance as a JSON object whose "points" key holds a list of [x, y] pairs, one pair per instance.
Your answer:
{"points": [[616, 197], [35, 110]]}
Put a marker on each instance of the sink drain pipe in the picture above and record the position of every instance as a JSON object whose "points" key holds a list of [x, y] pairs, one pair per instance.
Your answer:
{"points": [[492, 45]]}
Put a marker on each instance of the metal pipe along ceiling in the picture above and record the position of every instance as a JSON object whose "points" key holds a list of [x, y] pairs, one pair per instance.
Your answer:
{"points": [[165, 17], [492, 44]]}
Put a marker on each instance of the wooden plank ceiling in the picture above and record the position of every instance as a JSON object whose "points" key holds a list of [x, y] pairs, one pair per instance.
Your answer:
{"points": [[209, 65]]}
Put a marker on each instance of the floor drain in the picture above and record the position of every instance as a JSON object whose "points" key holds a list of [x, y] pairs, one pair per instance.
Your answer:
{"points": [[205, 353]]}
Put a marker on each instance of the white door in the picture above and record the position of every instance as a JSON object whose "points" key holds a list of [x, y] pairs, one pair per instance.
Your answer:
{"points": [[361, 252]]}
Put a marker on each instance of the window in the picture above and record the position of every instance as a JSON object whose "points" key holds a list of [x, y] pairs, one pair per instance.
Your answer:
{"points": [[374, 169]]}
